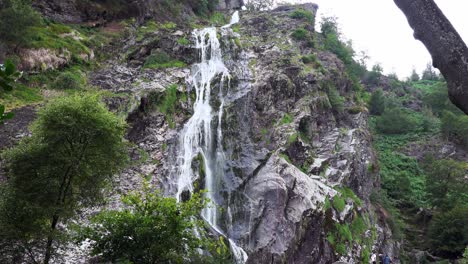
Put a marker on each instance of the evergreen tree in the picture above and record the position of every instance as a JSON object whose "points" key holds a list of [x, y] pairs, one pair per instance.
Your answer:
{"points": [[414, 77]]}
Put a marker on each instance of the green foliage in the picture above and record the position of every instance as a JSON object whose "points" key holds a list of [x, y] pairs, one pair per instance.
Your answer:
{"points": [[8, 77], [446, 182], [202, 7], [373, 77], [160, 60], [292, 138], [69, 80], [448, 232], [402, 177], [287, 119], [455, 127], [140, 233], [183, 41], [218, 18], [16, 21], [429, 73], [377, 102], [301, 13], [300, 34], [75, 148], [465, 256], [396, 121], [339, 203], [336, 100]]}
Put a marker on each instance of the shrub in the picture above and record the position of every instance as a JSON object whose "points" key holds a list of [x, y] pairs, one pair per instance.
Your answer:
{"points": [[301, 13], [396, 121], [311, 58], [336, 100], [300, 34], [69, 81], [140, 233]]}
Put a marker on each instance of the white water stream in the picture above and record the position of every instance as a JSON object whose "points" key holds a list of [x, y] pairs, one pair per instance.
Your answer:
{"points": [[197, 137]]}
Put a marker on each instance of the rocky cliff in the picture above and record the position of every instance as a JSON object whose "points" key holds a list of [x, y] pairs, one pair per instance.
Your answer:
{"points": [[298, 169]]}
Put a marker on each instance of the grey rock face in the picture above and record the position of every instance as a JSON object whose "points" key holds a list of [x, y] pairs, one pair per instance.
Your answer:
{"points": [[230, 4]]}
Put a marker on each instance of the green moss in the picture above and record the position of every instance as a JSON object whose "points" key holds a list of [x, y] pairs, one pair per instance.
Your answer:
{"points": [[358, 228], [292, 138], [365, 255], [331, 238], [168, 26], [287, 119], [344, 232], [339, 203], [311, 58], [327, 204], [341, 249]]}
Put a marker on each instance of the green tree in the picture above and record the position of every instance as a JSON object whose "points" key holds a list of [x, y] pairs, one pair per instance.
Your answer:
{"points": [[448, 232], [17, 17], [395, 120], [446, 182], [75, 148], [437, 99], [153, 229], [377, 102]]}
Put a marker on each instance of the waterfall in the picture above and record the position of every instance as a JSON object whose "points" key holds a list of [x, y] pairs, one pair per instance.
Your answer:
{"points": [[198, 137]]}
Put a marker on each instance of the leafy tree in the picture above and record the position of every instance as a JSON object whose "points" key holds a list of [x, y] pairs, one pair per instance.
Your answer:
{"points": [[17, 17], [75, 148], [396, 121], [377, 102], [446, 182], [153, 229], [448, 232], [414, 77]]}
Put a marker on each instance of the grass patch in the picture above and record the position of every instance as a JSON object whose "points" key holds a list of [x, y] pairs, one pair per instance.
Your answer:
{"points": [[301, 13], [287, 119], [183, 41], [285, 157], [20, 96], [218, 19], [161, 60], [300, 34], [339, 203]]}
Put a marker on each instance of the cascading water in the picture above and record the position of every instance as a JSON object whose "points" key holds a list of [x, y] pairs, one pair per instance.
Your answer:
{"points": [[197, 136]]}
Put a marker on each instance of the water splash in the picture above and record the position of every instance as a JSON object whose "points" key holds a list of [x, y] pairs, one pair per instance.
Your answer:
{"points": [[197, 136]]}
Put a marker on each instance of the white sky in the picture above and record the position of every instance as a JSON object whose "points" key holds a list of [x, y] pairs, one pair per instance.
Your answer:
{"points": [[380, 29]]}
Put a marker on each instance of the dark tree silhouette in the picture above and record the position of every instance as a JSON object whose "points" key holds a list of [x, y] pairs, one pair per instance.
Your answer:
{"points": [[449, 52]]}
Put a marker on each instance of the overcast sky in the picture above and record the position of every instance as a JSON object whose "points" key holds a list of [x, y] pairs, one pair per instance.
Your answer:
{"points": [[380, 29]]}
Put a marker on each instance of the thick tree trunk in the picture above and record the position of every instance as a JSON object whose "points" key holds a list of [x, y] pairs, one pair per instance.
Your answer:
{"points": [[449, 52]]}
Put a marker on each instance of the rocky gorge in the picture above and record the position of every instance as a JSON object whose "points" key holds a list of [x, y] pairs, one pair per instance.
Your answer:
{"points": [[297, 171]]}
